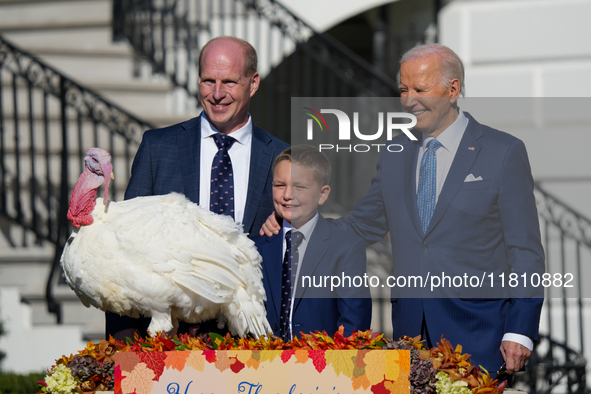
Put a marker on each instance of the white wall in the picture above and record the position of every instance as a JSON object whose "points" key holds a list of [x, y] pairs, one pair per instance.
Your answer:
{"points": [[521, 48], [324, 14], [532, 48]]}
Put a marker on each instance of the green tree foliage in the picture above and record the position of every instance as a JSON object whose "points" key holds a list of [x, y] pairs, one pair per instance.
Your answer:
{"points": [[2, 354]]}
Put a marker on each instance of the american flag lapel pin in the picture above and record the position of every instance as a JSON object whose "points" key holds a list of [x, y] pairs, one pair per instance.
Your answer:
{"points": [[470, 148]]}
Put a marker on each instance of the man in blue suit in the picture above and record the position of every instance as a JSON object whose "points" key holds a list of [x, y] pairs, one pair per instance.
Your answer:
{"points": [[484, 217], [179, 158], [459, 200], [318, 249]]}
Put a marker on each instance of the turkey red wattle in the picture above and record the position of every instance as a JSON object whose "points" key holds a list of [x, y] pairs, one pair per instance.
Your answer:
{"points": [[83, 201]]}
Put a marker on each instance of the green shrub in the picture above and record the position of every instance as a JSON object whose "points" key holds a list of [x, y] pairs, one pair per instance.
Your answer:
{"points": [[2, 354], [11, 383]]}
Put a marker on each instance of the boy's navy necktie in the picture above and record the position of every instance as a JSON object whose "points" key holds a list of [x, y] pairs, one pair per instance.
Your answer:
{"points": [[290, 261], [221, 196]]}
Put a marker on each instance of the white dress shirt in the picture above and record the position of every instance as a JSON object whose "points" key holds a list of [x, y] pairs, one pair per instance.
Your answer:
{"points": [[306, 230], [239, 155], [450, 140]]}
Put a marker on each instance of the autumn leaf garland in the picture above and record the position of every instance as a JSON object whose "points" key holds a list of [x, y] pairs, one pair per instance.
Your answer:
{"points": [[146, 359]]}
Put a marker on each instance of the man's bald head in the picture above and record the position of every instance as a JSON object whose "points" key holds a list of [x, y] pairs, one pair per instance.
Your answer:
{"points": [[249, 54], [227, 81]]}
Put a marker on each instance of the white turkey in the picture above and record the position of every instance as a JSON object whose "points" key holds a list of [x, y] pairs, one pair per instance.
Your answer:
{"points": [[161, 256]]}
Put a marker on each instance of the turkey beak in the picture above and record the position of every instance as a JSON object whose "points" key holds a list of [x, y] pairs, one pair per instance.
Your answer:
{"points": [[107, 169]]}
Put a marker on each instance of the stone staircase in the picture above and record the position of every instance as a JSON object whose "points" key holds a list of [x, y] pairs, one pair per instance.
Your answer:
{"points": [[33, 341], [74, 37], [27, 270]]}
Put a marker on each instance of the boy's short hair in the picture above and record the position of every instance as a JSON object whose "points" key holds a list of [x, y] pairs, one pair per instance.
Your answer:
{"points": [[309, 157]]}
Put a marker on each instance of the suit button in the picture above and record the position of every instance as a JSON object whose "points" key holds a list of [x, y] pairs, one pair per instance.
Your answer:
{"points": [[275, 327], [425, 245]]}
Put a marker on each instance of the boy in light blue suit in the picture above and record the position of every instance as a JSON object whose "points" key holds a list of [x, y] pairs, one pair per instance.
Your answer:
{"points": [[306, 251]]}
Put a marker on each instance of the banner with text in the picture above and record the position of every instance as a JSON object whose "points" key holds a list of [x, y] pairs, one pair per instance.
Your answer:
{"points": [[263, 372]]}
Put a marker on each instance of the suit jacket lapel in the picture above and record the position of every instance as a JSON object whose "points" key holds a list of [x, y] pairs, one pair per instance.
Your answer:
{"points": [[467, 152], [189, 146], [261, 161], [410, 181], [317, 246], [272, 265]]}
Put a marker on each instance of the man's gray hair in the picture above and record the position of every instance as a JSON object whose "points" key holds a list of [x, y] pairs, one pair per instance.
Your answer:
{"points": [[450, 63]]}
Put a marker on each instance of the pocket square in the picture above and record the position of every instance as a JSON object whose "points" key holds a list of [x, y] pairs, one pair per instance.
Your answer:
{"points": [[470, 178]]}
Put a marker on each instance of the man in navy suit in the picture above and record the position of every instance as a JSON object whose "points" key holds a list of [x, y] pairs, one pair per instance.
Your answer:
{"points": [[480, 217], [318, 249], [179, 158], [484, 218]]}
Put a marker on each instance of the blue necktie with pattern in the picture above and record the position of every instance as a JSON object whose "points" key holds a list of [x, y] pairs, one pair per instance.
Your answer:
{"points": [[290, 264], [428, 183], [221, 196]]}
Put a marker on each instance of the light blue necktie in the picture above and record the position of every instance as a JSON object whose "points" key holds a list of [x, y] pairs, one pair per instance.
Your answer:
{"points": [[428, 183]]}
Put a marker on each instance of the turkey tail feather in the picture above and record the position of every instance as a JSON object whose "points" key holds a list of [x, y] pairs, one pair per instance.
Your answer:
{"points": [[251, 316]]}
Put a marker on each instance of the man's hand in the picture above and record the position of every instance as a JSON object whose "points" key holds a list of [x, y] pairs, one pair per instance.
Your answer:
{"points": [[515, 355], [271, 226]]}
